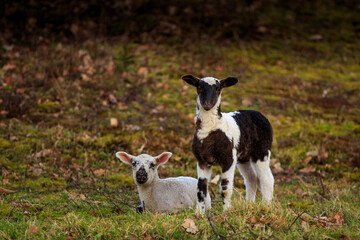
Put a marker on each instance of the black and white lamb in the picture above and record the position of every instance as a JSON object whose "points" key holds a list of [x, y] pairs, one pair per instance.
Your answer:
{"points": [[239, 139], [169, 194]]}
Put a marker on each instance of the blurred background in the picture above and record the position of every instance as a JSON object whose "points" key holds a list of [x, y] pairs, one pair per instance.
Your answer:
{"points": [[178, 21]]}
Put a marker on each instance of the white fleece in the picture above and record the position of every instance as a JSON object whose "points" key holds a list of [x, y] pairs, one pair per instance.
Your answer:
{"points": [[169, 194]]}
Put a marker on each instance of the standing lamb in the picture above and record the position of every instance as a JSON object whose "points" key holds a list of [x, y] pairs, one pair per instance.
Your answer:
{"points": [[239, 139], [169, 194]]}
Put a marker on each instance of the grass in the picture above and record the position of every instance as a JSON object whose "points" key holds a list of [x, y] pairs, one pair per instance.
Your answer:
{"points": [[58, 152]]}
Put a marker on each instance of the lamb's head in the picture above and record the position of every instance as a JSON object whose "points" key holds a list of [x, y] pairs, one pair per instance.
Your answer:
{"points": [[144, 166], [209, 89]]}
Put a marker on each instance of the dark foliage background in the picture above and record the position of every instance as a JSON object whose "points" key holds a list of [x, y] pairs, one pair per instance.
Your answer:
{"points": [[144, 20]]}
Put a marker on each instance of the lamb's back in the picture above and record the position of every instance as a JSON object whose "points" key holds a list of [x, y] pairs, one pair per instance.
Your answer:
{"points": [[175, 193]]}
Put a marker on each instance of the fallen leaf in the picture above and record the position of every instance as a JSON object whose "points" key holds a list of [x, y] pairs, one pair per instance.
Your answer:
{"points": [[307, 159], [225, 103], [316, 37], [37, 170], [253, 220], [143, 71], [8, 66], [215, 180], [76, 166], [219, 68], [307, 170], [313, 153], [6, 191], [73, 195], [85, 77], [166, 225], [246, 102], [338, 218], [33, 230], [43, 153], [82, 196], [276, 168], [190, 226], [99, 172], [114, 122], [112, 98], [14, 138], [5, 181]]}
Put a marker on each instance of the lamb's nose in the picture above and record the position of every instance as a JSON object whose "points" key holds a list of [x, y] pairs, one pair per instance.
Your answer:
{"points": [[141, 175], [207, 105]]}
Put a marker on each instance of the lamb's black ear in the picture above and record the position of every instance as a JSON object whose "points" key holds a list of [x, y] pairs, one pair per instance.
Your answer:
{"points": [[190, 79], [227, 82]]}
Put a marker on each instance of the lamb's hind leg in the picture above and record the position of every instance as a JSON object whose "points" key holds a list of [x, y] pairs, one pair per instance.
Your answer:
{"points": [[250, 180], [266, 179]]}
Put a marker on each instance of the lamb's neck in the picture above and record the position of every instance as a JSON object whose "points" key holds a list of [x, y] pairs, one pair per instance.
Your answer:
{"points": [[146, 190], [207, 119]]}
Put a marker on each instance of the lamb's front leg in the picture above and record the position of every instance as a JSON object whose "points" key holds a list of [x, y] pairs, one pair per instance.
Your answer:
{"points": [[204, 175], [227, 183]]}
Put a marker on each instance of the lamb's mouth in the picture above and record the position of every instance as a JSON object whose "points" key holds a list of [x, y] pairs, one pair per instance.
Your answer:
{"points": [[141, 180], [141, 176]]}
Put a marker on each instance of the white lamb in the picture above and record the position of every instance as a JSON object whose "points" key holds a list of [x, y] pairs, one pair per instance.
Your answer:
{"points": [[169, 194]]}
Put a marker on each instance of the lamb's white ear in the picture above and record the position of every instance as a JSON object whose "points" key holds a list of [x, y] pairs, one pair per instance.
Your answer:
{"points": [[163, 158], [124, 157]]}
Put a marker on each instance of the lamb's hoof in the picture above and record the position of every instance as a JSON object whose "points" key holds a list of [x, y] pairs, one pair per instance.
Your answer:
{"points": [[200, 210], [226, 207], [139, 209]]}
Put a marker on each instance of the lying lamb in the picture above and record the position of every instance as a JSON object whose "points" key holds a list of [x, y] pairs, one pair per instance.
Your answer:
{"points": [[169, 194]]}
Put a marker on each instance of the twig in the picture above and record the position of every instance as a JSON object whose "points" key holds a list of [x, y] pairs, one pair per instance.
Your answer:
{"points": [[322, 185], [213, 226], [309, 214], [232, 228], [299, 215], [317, 218]]}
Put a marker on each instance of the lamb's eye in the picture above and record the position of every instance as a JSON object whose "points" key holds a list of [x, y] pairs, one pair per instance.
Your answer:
{"points": [[152, 165], [134, 164]]}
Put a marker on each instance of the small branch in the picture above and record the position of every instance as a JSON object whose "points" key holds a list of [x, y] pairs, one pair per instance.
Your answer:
{"points": [[309, 214], [322, 185], [299, 215], [232, 228], [213, 226]]}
